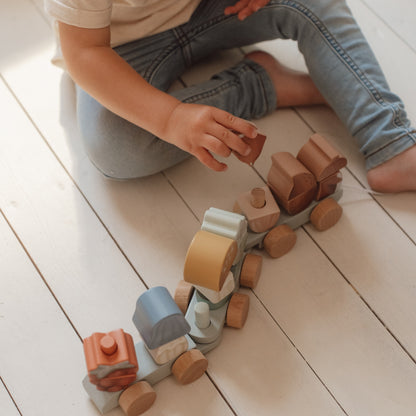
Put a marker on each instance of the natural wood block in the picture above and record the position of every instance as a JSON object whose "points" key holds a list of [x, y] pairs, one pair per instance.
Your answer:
{"points": [[293, 185], [209, 260], [169, 351], [183, 294], [189, 366], [279, 241], [138, 398], [256, 146], [250, 271], [321, 158], [237, 310], [262, 218], [326, 214], [215, 296]]}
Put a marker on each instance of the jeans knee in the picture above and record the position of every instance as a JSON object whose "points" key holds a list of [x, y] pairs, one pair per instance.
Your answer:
{"points": [[121, 150]]}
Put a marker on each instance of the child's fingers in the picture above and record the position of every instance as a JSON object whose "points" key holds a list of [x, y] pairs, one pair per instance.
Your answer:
{"points": [[216, 146], [235, 123], [208, 160], [237, 7], [228, 139]]}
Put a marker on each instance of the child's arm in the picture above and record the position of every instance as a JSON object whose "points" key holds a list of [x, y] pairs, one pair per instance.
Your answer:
{"points": [[197, 129]]}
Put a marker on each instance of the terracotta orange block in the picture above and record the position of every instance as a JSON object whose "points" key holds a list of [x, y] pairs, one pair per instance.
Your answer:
{"points": [[321, 158], [111, 359], [259, 207], [293, 185], [209, 259], [328, 186], [256, 146]]}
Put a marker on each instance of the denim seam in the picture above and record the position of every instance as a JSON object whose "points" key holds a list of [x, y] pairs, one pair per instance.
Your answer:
{"points": [[409, 133], [224, 86]]}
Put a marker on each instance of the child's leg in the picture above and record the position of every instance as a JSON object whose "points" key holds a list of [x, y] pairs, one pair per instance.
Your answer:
{"points": [[338, 57], [347, 74]]}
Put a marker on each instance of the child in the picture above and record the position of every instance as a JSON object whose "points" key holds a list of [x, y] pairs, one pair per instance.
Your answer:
{"points": [[124, 54]]}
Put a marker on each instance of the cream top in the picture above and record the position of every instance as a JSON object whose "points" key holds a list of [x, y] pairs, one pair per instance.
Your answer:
{"points": [[128, 19]]}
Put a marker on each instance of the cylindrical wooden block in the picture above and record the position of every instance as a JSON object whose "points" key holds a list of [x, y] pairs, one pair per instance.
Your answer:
{"points": [[189, 366], [137, 398], [279, 241], [258, 198], [250, 271], [209, 259], [326, 214], [202, 318], [237, 310], [183, 294]]}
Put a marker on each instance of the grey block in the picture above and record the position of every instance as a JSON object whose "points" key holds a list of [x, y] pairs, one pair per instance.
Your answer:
{"points": [[210, 334], [149, 370], [158, 319], [103, 400]]}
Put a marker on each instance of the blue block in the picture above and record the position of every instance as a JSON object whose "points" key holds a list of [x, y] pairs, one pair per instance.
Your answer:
{"points": [[158, 319]]}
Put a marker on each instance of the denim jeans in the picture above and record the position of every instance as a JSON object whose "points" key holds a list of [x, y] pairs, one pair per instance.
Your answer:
{"points": [[338, 58]]}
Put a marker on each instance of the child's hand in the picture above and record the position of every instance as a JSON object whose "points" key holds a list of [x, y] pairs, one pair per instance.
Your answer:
{"points": [[202, 130], [245, 8]]}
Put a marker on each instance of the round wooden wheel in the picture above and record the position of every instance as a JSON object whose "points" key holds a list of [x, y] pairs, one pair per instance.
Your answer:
{"points": [[137, 398], [189, 366], [237, 310], [183, 294], [279, 241], [326, 214], [250, 271]]}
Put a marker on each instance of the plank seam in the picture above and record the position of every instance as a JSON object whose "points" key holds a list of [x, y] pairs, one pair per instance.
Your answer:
{"points": [[10, 395]]}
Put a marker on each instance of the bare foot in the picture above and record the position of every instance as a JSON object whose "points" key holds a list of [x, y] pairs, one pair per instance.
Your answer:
{"points": [[293, 88], [396, 175]]}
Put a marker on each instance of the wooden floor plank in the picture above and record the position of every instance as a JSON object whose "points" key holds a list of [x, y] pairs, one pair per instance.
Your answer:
{"points": [[41, 356], [399, 15]]}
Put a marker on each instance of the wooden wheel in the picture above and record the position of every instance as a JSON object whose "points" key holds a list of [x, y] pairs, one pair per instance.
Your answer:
{"points": [[279, 241], [189, 366], [326, 214], [183, 294], [137, 398], [237, 310], [250, 271]]}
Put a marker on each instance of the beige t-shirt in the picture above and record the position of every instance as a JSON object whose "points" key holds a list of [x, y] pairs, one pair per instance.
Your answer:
{"points": [[128, 19]]}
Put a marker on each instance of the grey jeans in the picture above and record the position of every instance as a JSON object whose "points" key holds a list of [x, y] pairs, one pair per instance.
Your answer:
{"points": [[336, 53]]}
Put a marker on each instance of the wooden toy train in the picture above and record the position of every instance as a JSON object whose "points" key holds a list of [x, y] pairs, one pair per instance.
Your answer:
{"points": [[177, 332]]}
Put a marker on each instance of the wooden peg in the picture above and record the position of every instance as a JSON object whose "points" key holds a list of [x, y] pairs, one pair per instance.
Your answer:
{"points": [[258, 198]]}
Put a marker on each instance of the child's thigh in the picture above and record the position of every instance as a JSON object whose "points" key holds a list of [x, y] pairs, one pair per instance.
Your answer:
{"points": [[118, 148]]}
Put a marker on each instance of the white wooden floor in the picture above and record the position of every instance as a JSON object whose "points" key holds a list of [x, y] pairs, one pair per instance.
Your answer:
{"points": [[332, 325]]}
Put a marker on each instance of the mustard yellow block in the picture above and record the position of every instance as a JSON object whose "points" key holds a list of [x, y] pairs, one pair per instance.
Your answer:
{"points": [[209, 260]]}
